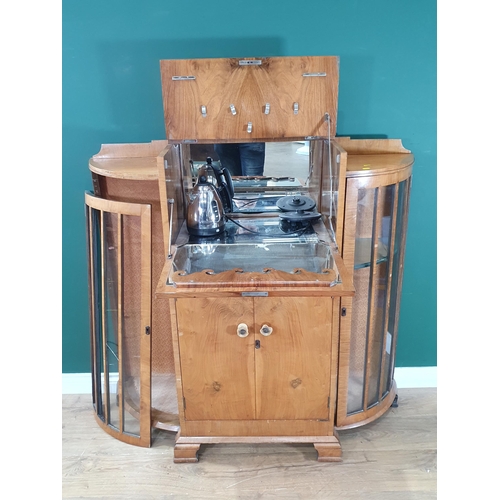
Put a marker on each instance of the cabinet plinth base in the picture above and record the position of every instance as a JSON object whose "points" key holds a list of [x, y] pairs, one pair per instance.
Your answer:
{"points": [[329, 452], [186, 453], [186, 447]]}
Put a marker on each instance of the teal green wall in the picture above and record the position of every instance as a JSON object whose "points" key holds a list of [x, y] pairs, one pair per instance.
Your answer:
{"points": [[112, 93]]}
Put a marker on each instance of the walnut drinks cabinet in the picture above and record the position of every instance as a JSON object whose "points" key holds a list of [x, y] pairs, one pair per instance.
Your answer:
{"points": [[257, 334]]}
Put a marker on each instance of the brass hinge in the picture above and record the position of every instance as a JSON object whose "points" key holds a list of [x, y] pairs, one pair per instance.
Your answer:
{"points": [[184, 402], [328, 401]]}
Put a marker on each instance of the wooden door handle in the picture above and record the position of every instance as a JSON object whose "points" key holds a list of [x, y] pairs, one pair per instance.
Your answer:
{"points": [[266, 330], [242, 330]]}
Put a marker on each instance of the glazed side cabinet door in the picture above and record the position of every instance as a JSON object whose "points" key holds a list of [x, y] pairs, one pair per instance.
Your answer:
{"points": [[119, 257], [255, 358], [374, 242]]}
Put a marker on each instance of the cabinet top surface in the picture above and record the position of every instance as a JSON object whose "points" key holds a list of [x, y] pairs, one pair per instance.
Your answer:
{"points": [[374, 164], [144, 169], [134, 161]]}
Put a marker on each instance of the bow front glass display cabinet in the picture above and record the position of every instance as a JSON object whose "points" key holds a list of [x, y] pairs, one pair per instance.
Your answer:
{"points": [[376, 217], [283, 326]]}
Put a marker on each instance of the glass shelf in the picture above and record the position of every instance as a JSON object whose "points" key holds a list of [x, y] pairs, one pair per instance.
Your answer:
{"points": [[363, 253], [266, 183], [254, 257]]}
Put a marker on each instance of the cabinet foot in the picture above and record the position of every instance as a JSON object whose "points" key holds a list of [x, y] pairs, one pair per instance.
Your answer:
{"points": [[186, 453], [329, 452]]}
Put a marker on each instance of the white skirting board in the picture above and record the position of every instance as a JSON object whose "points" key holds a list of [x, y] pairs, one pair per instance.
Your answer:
{"points": [[406, 378]]}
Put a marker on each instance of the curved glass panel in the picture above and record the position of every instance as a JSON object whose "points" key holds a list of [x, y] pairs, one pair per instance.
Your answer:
{"points": [[379, 230], [395, 298], [115, 302]]}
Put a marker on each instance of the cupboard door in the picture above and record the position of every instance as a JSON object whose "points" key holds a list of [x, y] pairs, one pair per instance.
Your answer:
{"points": [[217, 365], [293, 363]]}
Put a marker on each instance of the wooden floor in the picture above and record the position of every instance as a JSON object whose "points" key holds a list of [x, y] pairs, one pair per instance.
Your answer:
{"points": [[393, 458]]}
